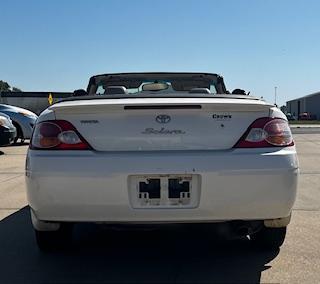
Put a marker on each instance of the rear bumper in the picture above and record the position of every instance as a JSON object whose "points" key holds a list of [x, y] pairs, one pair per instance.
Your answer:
{"points": [[241, 184], [7, 135]]}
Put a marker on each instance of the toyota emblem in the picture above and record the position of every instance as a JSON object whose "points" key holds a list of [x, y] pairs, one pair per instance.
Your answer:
{"points": [[163, 118]]}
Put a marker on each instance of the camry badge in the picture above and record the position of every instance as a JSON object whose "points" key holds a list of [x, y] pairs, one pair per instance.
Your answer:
{"points": [[163, 118]]}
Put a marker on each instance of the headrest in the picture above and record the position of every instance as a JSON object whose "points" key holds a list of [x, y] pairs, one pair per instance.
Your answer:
{"points": [[116, 90]]}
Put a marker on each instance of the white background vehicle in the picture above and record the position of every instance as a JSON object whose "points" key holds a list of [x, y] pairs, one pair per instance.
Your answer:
{"points": [[23, 119], [162, 148]]}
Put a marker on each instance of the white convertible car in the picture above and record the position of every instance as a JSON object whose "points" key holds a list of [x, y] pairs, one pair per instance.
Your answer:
{"points": [[145, 148]]}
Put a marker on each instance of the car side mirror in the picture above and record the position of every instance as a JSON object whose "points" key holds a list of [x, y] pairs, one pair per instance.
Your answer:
{"points": [[79, 93]]}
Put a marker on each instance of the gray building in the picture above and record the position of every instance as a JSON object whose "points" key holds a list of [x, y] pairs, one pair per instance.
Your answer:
{"points": [[309, 104]]}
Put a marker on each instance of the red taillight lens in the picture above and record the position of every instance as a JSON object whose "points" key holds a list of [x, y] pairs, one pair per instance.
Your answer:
{"points": [[57, 135], [267, 132]]}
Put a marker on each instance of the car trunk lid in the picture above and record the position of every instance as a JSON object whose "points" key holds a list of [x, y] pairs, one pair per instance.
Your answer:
{"points": [[150, 124]]}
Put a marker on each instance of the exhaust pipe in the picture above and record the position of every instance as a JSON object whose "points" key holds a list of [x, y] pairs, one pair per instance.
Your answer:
{"points": [[243, 231]]}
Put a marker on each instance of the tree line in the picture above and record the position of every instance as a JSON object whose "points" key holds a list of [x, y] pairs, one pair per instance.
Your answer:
{"points": [[5, 87]]}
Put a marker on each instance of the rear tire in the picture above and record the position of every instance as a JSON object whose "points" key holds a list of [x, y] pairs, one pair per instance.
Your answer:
{"points": [[269, 238], [19, 133], [51, 240]]}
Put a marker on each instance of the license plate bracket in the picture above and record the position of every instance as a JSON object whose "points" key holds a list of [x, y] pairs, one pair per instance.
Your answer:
{"points": [[164, 191]]}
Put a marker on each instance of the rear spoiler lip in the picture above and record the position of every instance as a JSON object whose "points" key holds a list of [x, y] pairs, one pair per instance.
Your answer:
{"points": [[94, 106], [164, 96]]}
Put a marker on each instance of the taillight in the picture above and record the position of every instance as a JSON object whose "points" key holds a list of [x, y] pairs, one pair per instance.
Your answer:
{"points": [[266, 132], [57, 135]]}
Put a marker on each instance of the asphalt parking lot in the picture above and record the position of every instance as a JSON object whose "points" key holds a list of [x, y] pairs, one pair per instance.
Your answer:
{"points": [[100, 255]]}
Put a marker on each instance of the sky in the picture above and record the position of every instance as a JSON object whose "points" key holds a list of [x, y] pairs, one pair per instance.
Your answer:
{"points": [[255, 45]]}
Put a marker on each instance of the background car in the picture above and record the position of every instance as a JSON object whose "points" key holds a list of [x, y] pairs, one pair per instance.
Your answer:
{"points": [[7, 130], [290, 116], [23, 119], [307, 116]]}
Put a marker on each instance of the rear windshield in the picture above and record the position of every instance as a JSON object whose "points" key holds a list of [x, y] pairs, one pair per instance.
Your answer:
{"points": [[157, 86], [142, 84]]}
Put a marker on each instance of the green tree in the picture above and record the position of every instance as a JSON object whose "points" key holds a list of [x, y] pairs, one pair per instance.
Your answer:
{"points": [[15, 89], [4, 86]]}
